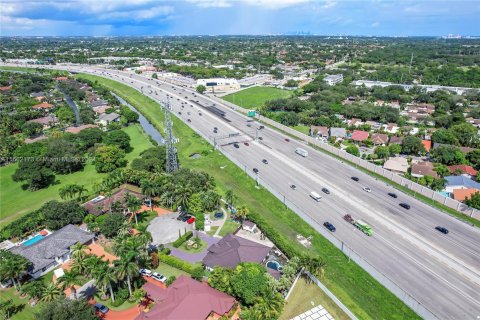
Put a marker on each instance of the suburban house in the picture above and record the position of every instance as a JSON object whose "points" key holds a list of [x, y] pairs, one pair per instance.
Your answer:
{"points": [[427, 144], [43, 106], [100, 109], [52, 250], [5, 89], [391, 128], [464, 170], [396, 140], [61, 78], [359, 135], [355, 122], [186, 298], [76, 130], [98, 103], [47, 122], [424, 168], [102, 204], [463, 194], [460, 182], [379, 138], [39, 96], [338, 132], [333, 79], [232, 250], [374, 125], [396, 164], [319, 131], [107, 118]]}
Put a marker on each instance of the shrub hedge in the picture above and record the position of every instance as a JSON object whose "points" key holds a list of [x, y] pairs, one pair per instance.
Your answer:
{"points": [[177, 263], [177, 243]]}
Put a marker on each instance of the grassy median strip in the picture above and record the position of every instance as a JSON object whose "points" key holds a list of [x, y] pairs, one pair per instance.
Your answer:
{"points": [[360, 292]]}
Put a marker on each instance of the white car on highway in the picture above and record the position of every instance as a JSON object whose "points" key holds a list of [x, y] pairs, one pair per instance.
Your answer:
{"points": [[367, 189]]}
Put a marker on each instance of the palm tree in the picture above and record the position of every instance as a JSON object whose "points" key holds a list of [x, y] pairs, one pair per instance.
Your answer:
{"points": [[80, 265], [104, 275], [268, 306], [12, 267], [229, 196], [64, 192], [126, 268], [91, 264], [182, 196], [149, 189], [78, 251], [81, 190], [68, 280], [314, 266], [133, 205], [50, 293], [242, 213]]}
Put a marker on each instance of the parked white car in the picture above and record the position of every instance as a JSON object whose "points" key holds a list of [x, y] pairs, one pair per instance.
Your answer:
{"points": [[145, 272], [159, 277]]}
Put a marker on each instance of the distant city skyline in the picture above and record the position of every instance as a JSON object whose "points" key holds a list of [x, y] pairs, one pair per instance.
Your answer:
{"points": [[238, 17]]}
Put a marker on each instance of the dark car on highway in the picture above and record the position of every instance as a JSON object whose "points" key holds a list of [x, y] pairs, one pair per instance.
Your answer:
{"points": [[393, 195], [355, 179], [265, 161], [329, 226], [236, 145], [262, 127], [405, 205], [188, 120], [442, 229], [325, 190], [255, 170]]}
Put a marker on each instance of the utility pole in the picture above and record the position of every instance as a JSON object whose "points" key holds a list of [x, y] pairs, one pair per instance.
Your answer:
{"points": [[171, 154], [411, 60]]}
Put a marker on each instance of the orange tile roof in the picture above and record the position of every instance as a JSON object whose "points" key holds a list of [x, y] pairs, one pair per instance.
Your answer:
{"points": [[462, 194], [427, 144], [43, 105], [464, 169], [5, 88]]}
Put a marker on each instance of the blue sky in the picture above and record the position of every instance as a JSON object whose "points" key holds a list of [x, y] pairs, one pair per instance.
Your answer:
{"points": [[214, 17]]}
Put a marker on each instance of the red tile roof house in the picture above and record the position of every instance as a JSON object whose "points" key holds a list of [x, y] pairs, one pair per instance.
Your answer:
{"points": [[427, 144], [43, 105], [5, 89], [359, 135], [379, 138], [463, 170], [101, 204], [186, 299]]}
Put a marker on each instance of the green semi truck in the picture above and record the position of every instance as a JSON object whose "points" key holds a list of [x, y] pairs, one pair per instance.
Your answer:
{"points": [[361, 225]]}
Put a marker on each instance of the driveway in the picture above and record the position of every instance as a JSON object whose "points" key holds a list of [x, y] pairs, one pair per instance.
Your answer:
{"points": [[194, 257], [165, 228]]}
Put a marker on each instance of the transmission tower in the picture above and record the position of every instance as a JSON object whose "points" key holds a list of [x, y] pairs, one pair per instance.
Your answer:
{"points": [[171, 163]]}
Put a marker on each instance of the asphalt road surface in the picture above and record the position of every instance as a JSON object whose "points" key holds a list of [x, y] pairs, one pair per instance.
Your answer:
{"points": [[440, 271]]}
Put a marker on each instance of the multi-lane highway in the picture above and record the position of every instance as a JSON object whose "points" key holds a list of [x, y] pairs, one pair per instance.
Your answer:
{"points": [[440, 271]]}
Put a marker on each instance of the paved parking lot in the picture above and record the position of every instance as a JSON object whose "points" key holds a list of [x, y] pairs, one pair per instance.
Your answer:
{"points": [[164, 229]]}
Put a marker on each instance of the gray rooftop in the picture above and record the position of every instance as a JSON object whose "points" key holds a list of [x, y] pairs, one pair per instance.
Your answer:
{"points": [[109, 116], [98, 103], [43, 253], [232, 250], [462, 181]]}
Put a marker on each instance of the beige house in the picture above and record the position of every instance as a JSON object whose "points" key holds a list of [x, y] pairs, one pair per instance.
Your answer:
{"points": [[396, 164]]}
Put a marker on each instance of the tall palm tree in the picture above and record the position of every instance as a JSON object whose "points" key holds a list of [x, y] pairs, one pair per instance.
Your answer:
{"points": [[91, 264], [68, 280], [149, 189], [50, 293], [268, 306], [80, 265], [134, 204], [126, 268], [81, 190], [230, 196], [314, 266], [104, 275], [12, 266]]}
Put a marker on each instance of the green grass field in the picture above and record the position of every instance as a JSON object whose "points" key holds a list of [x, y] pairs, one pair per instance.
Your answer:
{"points": [[255, 97], [362, 294], [305, 296], [168, 270], [14, 201], [303, 129]]}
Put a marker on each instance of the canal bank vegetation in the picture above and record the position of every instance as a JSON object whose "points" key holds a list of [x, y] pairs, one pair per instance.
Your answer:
{"points": [[360, 292]]}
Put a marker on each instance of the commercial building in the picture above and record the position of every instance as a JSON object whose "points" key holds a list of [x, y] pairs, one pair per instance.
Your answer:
{"points": [[219, 84]]}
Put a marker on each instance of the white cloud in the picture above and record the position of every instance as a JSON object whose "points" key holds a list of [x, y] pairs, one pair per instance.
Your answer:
{"points": [[138, 15], [375, 24], [212, 3]]}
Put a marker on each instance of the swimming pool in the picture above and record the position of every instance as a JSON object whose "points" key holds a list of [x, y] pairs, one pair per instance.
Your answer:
{"points": [[33, 240], [275, 265]]}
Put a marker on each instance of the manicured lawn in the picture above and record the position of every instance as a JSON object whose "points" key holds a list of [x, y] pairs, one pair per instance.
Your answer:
{"points": [[25, 311], [255, 97], [168, 270], [212, 230], [201, 247], [229, 226], [362, 294], [302, 129], [304, 297], [15, 201]]}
